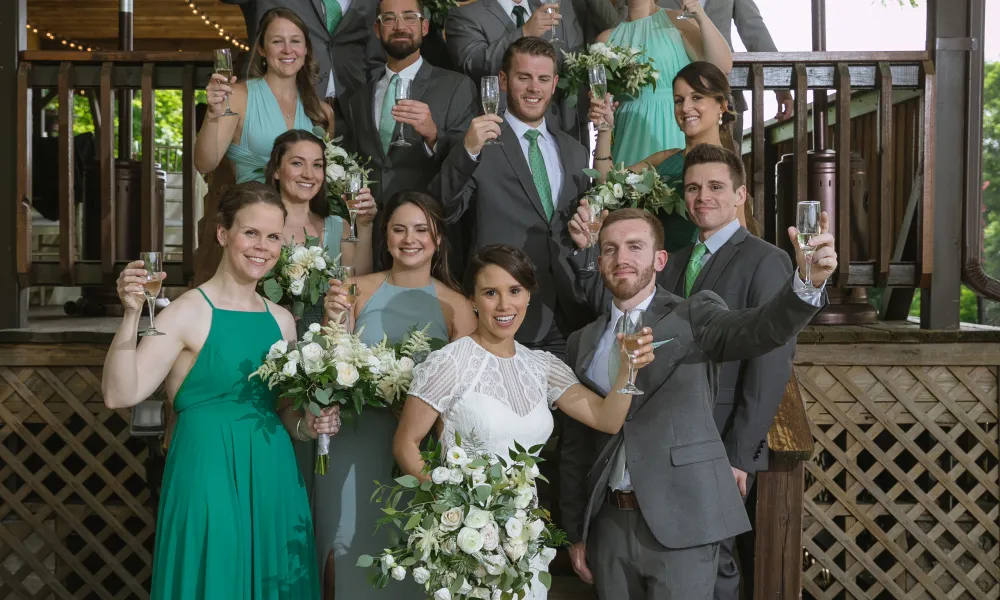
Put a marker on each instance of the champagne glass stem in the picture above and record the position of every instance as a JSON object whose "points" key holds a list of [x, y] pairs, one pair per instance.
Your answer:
{"points": [[808, 256], [631, 370], [152, 303], [228, 110], [354, 220]]}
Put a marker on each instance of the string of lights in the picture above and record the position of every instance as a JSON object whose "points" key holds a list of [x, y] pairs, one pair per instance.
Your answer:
{"points": [[69, 43], [228, 36]]}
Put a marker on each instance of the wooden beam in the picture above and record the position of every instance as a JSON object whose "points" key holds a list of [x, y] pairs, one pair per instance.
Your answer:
{"points": [[757, 150], [842, 140], [23, 198], [13, 294], [64, 167], [118, 56], [106, 159], [188, 174]]}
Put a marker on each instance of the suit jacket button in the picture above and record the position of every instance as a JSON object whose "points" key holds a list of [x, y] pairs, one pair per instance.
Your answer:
{"points": [[628, 418]]}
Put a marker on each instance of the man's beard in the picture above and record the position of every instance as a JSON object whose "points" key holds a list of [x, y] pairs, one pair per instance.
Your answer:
{"points": [[623, 290], [400, 48]]}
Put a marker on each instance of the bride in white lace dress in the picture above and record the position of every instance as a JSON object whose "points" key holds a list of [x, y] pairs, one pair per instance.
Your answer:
{"points": [[492, 390]]}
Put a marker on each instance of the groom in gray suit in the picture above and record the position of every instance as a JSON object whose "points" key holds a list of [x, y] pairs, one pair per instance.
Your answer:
{"points": [[661, 495], [745, 271]]}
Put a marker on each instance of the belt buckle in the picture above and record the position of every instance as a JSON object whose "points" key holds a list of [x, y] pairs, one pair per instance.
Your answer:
{"points": [[620, 495]]}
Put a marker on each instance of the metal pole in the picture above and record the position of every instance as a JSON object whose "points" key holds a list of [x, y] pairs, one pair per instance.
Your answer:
{"points": [[125, 42], [820, 103]]}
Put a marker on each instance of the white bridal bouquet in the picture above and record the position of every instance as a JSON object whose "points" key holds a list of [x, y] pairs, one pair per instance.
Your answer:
{"points": [[339, 163], [471, 530], [646, 190], [301, 275], [331, 365], [628, 70]]}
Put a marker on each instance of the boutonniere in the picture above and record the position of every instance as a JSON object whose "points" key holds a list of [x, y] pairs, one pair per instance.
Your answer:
{"points": [[660, 343]]}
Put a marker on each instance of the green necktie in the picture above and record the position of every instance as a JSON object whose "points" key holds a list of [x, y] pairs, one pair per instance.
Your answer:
{"points": [[538, 171], [387, 124], [693, 267], [334, 13], [520, 16]]}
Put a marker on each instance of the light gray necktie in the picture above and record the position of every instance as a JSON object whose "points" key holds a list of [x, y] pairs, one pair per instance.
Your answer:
{"points": [[614, 360]]}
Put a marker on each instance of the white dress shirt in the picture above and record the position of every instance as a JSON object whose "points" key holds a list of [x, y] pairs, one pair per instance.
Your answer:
{"points": [[508, 7], [550, 153], [382, 86], [331, 86]]}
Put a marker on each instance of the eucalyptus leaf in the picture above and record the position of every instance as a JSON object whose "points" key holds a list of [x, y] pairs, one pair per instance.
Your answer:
{"points": [[408, 481], [365, 561], [298, 308], [273, 291]]}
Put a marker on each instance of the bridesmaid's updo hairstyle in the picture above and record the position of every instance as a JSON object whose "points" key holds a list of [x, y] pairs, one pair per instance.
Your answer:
{"points": [[434, 212], [319, 204], [307, 76], [708, 80], [242, 195], [508, 258]]}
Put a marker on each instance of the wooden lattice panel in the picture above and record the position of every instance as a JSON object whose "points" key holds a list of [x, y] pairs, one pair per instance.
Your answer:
{"points": [[902, 496], [76, 517]]}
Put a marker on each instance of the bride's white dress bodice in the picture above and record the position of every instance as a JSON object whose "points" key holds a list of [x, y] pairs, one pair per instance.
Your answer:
{"points": [[491, 401]]}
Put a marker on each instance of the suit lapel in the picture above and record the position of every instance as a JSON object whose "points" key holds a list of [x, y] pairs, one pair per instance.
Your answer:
{"points": [[497, 11], [320, 9], [673, 278], [421, 81], [717, 264], [512, 150], [589, 339], [663, 304]]}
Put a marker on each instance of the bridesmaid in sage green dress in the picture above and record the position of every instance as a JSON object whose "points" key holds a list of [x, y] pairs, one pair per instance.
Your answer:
{"points": [[297, 169], [701, 110], [416, 292], [233, 521]]}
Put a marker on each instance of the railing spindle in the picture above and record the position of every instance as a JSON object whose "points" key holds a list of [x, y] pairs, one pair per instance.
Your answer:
{"points": [[152, 217], [842, 138], [24, 164], [190, 236], [884, 230], [106, 146], [67, 201], [800, 141], [757, 148]]}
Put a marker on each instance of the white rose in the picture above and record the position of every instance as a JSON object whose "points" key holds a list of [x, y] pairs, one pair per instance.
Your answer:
{"points": [[277, 350], [477, 518], [440, 475], [457, 456], [296, 287], [480, 594], [294, 355], [315, 328], [618, 191], [442, 594], [319, 263], [336, 151], [513, 528], [307, 337], [374, 364], [515, 549], [465, 589], [455, 476], [547, 554], [656, 75], [295, 271], [312, 366], [405, 364], [342, 352], [524, 497], [388, 561], [478, 478], [398, 573], [299, 255], [312, 351], [470, 540], [494, 564], [290, 368], [491, 537], [535, 528], [633, 178], [451, 519], [347, 374], [532, 471], [334, 172], [421, 575]]}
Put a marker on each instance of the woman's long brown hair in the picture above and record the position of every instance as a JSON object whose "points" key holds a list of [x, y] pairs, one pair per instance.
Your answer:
{"points": [[319, 204], [307, 76], [434, 212]]}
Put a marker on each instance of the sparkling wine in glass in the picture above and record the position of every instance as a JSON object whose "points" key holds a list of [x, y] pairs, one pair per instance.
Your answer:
{"points": [[599, 89], [153, 263], [554, 8], [402, 93], [807, 223], [490, 96], [355, 182], [631, 328], [224, 67], [593, 229]]}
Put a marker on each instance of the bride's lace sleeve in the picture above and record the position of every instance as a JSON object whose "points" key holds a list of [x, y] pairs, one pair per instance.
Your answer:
{"points": [[560, 378], [435, 381]]}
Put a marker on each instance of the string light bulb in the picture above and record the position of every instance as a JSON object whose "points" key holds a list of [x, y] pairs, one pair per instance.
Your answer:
{"points": [[226, 35]]}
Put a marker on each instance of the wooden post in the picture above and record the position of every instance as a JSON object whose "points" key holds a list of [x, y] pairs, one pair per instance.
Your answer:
{"points": [[14, 222]]}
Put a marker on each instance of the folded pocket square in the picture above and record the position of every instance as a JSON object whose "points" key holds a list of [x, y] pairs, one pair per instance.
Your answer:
{"points": [[658, 344]]}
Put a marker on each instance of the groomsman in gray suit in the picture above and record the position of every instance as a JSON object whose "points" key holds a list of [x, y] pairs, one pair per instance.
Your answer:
{"points": [[524, 190], [341, 36], [661, 496], [479, 33], [441, 106], [745, 271]]}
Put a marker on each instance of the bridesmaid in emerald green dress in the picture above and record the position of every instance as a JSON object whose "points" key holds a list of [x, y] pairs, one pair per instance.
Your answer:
{"points": [[417, 291], [233, 521], [701, 110]]}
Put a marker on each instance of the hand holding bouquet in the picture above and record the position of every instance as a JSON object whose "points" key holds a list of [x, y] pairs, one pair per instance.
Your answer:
{"points": [[300, 276], [628, 70], [339, 163], [646, 190]]}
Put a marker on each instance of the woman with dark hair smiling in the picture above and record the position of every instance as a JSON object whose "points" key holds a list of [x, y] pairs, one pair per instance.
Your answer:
{"points": [[492, 390]]}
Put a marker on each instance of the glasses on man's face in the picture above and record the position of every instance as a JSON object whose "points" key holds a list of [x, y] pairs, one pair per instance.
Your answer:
{"points": [[410, 19]]}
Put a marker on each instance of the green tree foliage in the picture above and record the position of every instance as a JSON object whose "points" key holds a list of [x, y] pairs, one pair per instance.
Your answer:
{"points": [[168, 115]]}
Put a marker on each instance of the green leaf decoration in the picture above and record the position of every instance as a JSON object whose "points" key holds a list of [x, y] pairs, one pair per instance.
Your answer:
{"points": [[273, 291], [408, 481], [365, 561], [545, 579]]}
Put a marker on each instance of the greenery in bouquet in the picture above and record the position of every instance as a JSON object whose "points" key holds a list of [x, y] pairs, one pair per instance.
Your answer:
{"points": [[339, 163], [331, 365], [628, 70], [438, 10], [301, 275], [646, 189], [471, 530]]}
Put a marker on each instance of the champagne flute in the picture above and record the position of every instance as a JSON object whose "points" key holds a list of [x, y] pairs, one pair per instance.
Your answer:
{"points": [[552, 9], [402, 93], [631, 328], [153, 263], [490, 94], [593, 229], [347, 282], [224, 67], [599, 89], [355, 181], [807, 224]]}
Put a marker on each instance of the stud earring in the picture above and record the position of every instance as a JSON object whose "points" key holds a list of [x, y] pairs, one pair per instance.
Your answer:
{"points": [[475, 311]]}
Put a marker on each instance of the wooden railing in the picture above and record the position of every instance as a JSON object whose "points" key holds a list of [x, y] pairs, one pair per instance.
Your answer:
{"points": [[105, 72]]}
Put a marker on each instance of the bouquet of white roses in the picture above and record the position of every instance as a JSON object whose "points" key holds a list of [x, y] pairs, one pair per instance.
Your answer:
{"points": [[646, 190], [331, 365], [301, 275], [339, 163], [628, 70], [470, 531]]}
